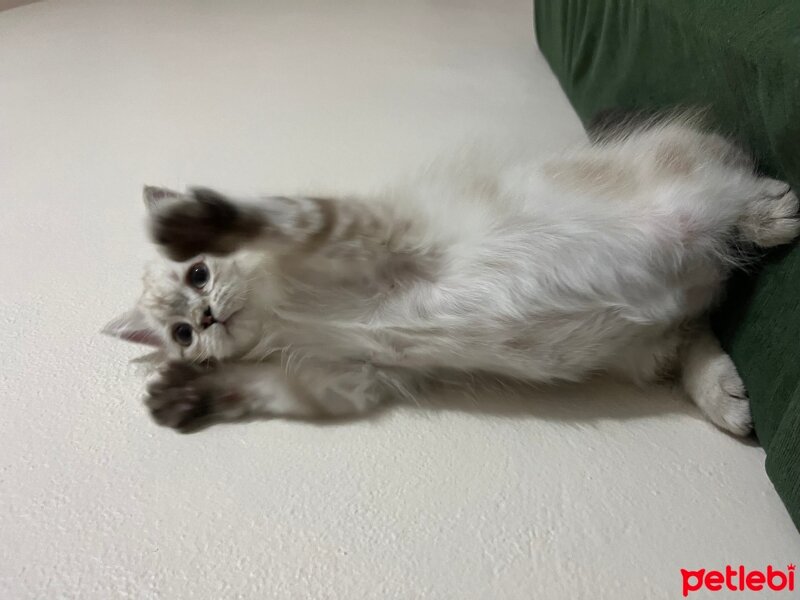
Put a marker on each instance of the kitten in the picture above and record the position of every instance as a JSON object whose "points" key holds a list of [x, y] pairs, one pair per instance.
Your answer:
{"points": [[604, 260]]}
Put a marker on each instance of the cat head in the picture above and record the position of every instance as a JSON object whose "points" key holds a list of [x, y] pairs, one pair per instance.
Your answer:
{"points": [[200, 309]]}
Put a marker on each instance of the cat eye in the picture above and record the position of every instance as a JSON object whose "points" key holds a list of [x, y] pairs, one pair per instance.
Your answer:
{"points": [[182, 333], [198, 275]]}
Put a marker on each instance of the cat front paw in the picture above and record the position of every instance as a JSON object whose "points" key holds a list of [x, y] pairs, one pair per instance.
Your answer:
{"points": [[187, 397], [209, 223]]}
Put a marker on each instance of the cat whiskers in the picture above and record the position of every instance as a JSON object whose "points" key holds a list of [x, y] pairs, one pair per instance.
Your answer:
{"points": [[204, 355]]}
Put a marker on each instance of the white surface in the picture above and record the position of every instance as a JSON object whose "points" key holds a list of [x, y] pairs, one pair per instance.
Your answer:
{"points": [[593, 492]]}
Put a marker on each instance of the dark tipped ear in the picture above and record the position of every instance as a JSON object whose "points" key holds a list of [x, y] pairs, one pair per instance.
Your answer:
{"points": [[155, 197], [132, 327]]}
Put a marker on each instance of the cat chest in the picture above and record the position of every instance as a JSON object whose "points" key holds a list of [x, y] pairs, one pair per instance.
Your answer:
{"points": [[379, 345]]}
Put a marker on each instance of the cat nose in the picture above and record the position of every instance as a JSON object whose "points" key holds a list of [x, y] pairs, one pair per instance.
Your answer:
{"points": [[208, 318]]}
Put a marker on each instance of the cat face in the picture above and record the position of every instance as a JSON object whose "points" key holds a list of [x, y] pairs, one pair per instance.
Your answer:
{"points": [[201, 307], [197, 310]]}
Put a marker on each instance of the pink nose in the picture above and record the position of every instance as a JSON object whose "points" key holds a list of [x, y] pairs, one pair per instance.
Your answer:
{"points": [[208, 318]]}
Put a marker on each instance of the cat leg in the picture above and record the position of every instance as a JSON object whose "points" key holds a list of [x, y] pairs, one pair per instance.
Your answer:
{"points": [[651, 359], [771, 216], [207, 222], [188, 397], [674, 148], [710, 378]]}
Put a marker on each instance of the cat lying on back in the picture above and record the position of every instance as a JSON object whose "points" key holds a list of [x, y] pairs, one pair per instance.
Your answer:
{"points": [[604, 260]]}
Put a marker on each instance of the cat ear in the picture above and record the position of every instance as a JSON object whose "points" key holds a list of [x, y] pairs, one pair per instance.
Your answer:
{"points": [[155, 197], [132, 327]]}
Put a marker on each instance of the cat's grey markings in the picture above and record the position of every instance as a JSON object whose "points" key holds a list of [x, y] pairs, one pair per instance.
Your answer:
{"points": [[605, 259], [187, 396], [210, 224], [327, 214]]}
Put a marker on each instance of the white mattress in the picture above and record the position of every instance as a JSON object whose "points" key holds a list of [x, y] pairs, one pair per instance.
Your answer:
{"points": [[589, 492]]}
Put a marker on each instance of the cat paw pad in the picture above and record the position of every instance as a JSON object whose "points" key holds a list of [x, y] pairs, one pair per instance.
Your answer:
{"points": [[187, 398]]}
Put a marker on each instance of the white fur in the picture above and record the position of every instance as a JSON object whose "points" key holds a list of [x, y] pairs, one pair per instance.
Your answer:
{"points": [[601, 260]]}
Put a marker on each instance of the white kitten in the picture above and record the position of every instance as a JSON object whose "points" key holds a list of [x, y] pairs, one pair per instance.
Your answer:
{"points": [[604, 260]]}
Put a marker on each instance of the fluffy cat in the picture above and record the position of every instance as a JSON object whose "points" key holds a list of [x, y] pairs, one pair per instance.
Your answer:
{"points": [[606, 259]]}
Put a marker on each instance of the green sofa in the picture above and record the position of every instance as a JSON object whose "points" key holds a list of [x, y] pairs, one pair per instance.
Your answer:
{"points": [[740, 60]]}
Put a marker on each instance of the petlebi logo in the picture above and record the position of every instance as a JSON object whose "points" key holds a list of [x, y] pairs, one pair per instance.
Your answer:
{"points": [[739, 579]]}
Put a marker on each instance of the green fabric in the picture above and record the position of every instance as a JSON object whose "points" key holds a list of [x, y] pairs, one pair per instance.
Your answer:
{"points": [[741, 60]]}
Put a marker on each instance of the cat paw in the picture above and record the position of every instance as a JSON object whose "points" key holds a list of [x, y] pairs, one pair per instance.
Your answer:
{"points": [[188, 397], [772, 219], [207, 224], [726, 403]]}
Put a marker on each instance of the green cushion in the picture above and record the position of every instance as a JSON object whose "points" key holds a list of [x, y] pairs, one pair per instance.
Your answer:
{"points": [[741, 60]]}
